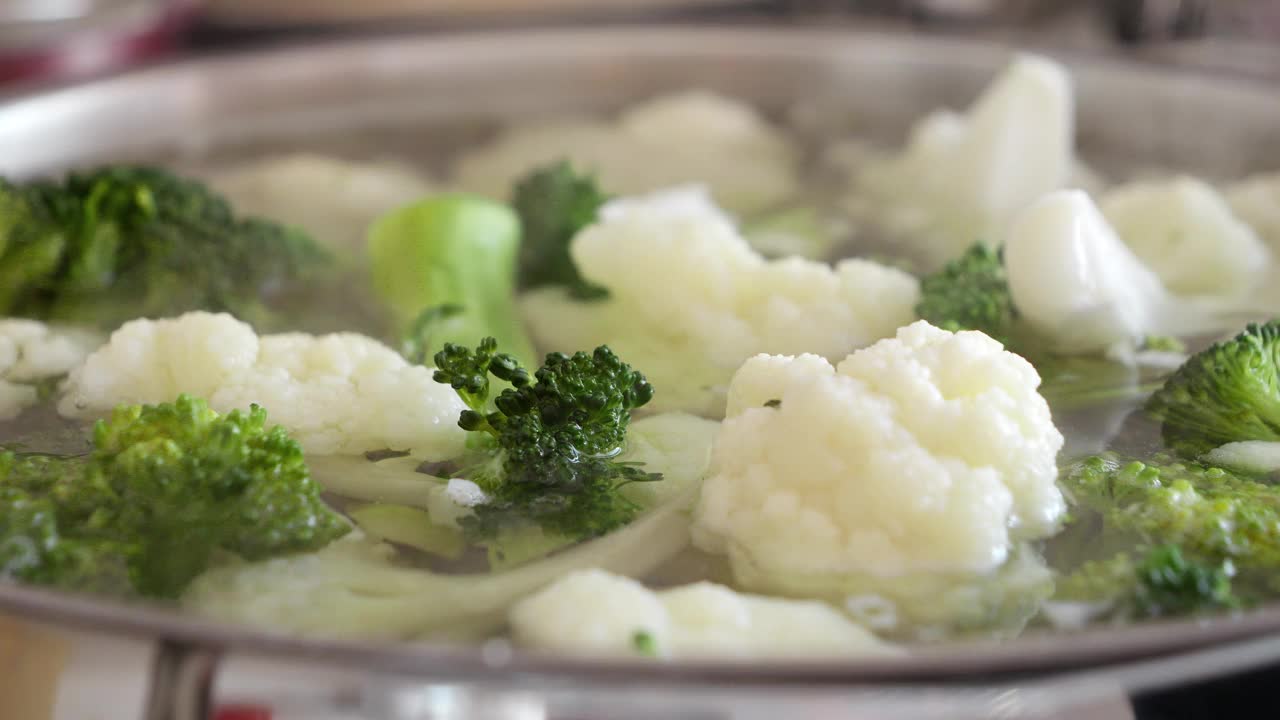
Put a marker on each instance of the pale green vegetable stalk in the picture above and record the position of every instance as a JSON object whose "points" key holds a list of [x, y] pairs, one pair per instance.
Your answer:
{"points": [[354, 588], [449, 261], [395, 481], [409, 526], [676, 444]]}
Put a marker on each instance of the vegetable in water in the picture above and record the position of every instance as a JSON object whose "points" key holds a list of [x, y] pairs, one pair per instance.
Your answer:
{"points": [[33, 359], [1163, 582], [1227, 393], [554, 202], [165, 490], [973, 292], [409, 526], [593, 612], [334, 199], [450, 251], [1210, 513], [690, 300], [747, 163], [965, 175], [354, 588], [1185, 231], [970, 293], [675, 445], [122, 242], [953, 448], [341, 393], [552, 439]]}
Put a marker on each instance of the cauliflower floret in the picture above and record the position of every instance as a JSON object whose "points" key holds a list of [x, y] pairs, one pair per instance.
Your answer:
{"points": [[1184, 230], [1256, 200], [594, 612], [1076, 282], [336, 394], [928, 453], [32, 352], [962, 177], [686, 137], [334, 200], [689, 300]]}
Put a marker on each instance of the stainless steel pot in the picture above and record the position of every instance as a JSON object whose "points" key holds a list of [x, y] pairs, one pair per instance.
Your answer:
{"points": [[417, 97]]}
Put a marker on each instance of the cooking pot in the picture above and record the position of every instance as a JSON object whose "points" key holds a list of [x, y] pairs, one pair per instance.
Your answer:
{"points": [[420, 98]]}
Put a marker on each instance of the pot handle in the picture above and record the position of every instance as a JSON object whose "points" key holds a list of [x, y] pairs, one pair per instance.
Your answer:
{"points": [[181, 682]]}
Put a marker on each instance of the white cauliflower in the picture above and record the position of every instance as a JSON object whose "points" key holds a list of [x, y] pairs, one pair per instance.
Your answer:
{"points": [[687, 137], [928, 453], [343, 393], [1078, 284], [32, 353], [1256, 200], [594, 612], [1185, 231], [1074, 280], [961, 177], [689, 300], [334, 200]]}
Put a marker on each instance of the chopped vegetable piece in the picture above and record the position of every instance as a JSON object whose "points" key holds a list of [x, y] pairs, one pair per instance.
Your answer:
{"points": [[121, 242], [353, 588], [1229, 392], [165, 489], [1163, 582], [970, 293], [554, 438], [410, 526], [450, 250], [1210, 513], [555, 202]]}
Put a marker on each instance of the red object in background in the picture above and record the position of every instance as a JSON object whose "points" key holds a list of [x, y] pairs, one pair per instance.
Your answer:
{"points": [[95, 45], [242, 712]]}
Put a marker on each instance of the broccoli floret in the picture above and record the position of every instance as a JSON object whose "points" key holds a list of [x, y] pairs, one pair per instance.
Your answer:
{"points": [[165, 489], [970, 293], [120, 242], [1163, 582], [1209, 512], [1168, 584], [33, 488], [554, 203], [1229, 392], [553, 438], [445, 267]]}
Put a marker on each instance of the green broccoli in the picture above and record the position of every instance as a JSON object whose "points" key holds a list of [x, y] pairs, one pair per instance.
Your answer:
{"points": [[165, 490], [1163, 582], [554, 203], [970, 293], [1229, 392], [445, 267], [552, 438], [119, 242], [1169, 584], [1209, 512]]}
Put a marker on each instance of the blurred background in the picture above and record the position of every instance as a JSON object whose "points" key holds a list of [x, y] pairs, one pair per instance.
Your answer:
{"points": [[55, 40]]}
